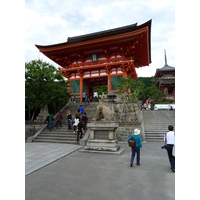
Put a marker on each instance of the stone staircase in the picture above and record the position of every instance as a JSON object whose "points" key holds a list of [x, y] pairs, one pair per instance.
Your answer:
{"points": [[156, 124], [63, 135]]}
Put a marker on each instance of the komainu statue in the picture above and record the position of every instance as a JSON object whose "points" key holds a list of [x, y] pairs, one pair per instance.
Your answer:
{"points": [[103, 113]]}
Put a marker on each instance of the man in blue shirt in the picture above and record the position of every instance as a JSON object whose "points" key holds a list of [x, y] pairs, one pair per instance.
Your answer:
{"points": [[138, 143], [81, 110]]}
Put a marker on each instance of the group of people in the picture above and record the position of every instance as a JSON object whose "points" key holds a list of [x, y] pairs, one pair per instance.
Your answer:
{"points": [[86, 98], [49, 121], [146, 105], [169, 139], [79, 123]]}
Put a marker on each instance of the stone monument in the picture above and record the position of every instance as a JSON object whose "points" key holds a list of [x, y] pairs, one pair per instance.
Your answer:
{"points": [[102, 129], [44, 112]]}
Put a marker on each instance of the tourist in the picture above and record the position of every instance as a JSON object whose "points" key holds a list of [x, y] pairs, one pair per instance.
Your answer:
{"points": [[91, 98], [138, 142], [78, 113], [81, 110], [74, 99], [169, 139], [95, 96], [76, 122], [51, 122], [83, 96], [85, 119], [86, 99], [80, 130], [47, 121], [69, 119], [58, 119]]}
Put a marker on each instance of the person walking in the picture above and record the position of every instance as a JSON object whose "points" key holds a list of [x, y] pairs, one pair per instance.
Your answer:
{"points": [[169, 139], [95, 96], [78, 113], [69, 119], [85, 119], [80, 130], [83, 96], [76, 122], [138, 143], [59, 119], [81, 110], [51, 122], [47, 121]]}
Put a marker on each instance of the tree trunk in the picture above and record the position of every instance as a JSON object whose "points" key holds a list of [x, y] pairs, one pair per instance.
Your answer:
{"points": [[33, 115]]}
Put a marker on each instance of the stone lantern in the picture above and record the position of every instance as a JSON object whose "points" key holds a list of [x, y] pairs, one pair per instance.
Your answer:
{"points": [[111, 96]]}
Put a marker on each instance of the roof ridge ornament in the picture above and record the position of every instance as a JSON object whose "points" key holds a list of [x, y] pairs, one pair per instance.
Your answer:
{"points": [[165, 57]]}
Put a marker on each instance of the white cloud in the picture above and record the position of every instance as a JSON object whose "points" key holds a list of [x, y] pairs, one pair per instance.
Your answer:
{"points": [[53, 21]]}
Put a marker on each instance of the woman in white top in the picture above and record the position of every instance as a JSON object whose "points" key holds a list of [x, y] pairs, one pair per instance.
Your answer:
{"points": [[170, 142], [76, 122]]}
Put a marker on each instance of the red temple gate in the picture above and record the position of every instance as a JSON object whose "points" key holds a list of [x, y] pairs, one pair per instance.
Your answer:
{"points": [[102, 58]]}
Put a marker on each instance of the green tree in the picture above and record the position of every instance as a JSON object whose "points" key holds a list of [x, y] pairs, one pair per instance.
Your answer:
{"points": [[129, 91], [44, 85]]}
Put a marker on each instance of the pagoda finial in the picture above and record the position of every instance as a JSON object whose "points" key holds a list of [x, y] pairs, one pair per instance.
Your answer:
{"points": [[165, 57]]}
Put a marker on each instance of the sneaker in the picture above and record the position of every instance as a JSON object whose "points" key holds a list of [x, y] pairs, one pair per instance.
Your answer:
{"points": [[131, 164]]}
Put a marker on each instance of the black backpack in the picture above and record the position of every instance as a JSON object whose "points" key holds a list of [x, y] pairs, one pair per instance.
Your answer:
{"points": [[132, 143]]}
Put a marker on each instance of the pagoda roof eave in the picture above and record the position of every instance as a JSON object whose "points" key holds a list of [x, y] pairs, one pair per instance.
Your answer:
{"points": [[166, 68]]}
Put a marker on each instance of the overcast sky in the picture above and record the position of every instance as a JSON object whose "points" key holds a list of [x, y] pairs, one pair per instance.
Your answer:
{"points": [[53, 21]]}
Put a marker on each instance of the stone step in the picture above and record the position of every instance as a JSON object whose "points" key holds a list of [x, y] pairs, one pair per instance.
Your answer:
{"points": [[156, 124], [63, 135], [55, 141], [56, 138], [57, 135]]}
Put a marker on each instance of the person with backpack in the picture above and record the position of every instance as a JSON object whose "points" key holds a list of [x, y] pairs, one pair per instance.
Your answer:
{"points": [[136, 148]]}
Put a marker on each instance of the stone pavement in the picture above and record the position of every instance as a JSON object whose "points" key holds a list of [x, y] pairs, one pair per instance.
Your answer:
{"points": [[92, 176], [38, 155]]}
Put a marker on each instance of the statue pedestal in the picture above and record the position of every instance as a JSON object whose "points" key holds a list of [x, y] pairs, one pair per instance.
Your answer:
{"points": [[102, 137]]}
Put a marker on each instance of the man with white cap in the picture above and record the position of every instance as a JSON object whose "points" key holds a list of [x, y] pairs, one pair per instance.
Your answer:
{"points": [[138, 143]]}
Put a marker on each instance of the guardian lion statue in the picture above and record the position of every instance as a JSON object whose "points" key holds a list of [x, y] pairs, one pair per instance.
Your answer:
{"points": [[103, 113]]}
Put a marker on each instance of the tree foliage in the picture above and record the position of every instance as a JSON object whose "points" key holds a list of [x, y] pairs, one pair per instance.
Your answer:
{"points": [[44, 84]]}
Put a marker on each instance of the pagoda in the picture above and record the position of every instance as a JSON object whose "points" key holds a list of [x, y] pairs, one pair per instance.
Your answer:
{"points": [[166, 80], [101, 58]]}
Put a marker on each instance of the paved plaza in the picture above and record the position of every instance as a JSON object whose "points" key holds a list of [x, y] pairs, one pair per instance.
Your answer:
{"points": [[63, 171]]}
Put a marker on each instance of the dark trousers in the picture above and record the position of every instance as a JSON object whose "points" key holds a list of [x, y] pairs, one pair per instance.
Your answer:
{"points": [[69, 124], [137, 150], [78, 135], [170, 156], [58, 122], [75, 128]]}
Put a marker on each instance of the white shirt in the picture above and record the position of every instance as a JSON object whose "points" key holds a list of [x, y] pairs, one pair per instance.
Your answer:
{"points": [[170, 137], [76, 121], [95, 94]]}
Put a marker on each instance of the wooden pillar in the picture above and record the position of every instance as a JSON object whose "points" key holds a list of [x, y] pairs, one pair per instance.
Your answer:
{"points": [[81, 88], [109, 82], [68, 85], [88, 87], [108, 71]]}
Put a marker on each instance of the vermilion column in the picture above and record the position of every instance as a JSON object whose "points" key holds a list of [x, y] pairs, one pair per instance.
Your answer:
{"points": [[68, 85], [81, 89], [109, 82]]}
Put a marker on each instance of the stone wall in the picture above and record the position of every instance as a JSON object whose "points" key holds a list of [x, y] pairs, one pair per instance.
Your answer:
{"points": [[124, 131], [32, 129]]}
